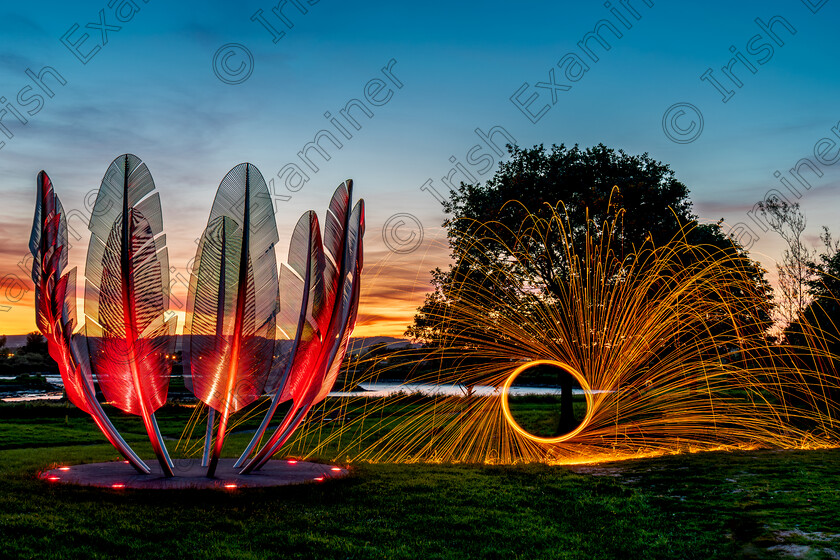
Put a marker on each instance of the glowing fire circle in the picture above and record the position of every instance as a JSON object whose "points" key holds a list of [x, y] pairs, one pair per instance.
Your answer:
{"points": [[587, 391]]}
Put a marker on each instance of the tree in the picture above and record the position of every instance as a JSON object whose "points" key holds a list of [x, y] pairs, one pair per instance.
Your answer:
{"points": [[822, 314], [35, 344], [818, 325], [595, 190], [795, 270], [584, 181], [824, 286], [636, 197]]}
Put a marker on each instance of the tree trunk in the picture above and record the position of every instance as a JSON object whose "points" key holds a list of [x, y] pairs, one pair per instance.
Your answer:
{"points": [[567, 412]]}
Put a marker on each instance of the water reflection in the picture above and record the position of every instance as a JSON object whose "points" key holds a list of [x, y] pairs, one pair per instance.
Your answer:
{"points": [[371, 390], [385, 388]]}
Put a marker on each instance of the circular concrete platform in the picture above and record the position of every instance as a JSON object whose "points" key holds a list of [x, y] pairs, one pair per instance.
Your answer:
{"points": [[190, 474]]}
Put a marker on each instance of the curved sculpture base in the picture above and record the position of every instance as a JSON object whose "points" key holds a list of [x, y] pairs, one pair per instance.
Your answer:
{"points": [[190, 474]]}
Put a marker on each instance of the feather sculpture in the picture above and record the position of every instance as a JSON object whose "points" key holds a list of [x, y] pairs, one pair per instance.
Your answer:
{"points": [[55, 312], [232, 303], [126, 296], [300, 319], [321, 341]]}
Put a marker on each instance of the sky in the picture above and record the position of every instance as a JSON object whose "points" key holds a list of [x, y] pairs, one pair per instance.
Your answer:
{"points": [[725, 93]]}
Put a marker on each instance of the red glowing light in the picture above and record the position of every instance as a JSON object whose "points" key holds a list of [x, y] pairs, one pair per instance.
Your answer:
{"points": [[292, 462], [64, 468], [336, 469], [53, 478], [118, 485], [231, 486], [319, 478]]}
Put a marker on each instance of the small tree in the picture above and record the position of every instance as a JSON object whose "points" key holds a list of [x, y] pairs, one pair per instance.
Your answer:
{"points": [[795, 269], [823, 286], [35, 344]]}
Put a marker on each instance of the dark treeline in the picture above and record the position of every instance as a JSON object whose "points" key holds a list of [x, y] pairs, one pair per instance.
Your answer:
{"points": [[30, 358]]}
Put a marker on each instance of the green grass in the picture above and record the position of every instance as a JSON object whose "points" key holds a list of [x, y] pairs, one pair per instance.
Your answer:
{"points": [[541, 415], [712, 505]]}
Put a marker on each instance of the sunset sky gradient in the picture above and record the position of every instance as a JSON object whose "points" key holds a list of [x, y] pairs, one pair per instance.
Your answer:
{"points": [[151, 90]]}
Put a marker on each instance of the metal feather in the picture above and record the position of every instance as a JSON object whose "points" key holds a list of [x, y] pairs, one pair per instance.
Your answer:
{"points": [[232, 304], [310, 381], [55, 308], [126, 296], [300, 321]]}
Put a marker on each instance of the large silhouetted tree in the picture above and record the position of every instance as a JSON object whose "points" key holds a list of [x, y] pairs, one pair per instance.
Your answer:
{"points": [[636, 197], [599, 188]]}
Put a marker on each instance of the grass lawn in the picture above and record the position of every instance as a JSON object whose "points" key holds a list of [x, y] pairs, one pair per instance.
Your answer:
{"points": [[541, 415], [759, 504]]}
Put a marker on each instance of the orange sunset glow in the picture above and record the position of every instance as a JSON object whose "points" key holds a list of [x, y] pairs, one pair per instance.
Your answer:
{"points": [[393, 287]]}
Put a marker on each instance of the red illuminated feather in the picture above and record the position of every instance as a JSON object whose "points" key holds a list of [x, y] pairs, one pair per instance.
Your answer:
{"points": [[126, 296], [232, 304], [311, 379], [349, 301], [300, 336], [306, 259], [55, 297], [55, 305]]}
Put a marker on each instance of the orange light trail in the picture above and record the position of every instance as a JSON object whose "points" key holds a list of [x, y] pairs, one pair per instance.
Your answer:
{"points": [[587, 391], [667, 341]]}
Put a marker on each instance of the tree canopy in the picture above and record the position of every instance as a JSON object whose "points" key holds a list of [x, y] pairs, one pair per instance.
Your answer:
{"points": [[35, 344], [584, 181], [822, 313], [635, 199]]}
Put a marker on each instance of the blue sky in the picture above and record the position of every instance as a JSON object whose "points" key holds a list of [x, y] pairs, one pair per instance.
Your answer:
{"points": [[151, 90]]}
